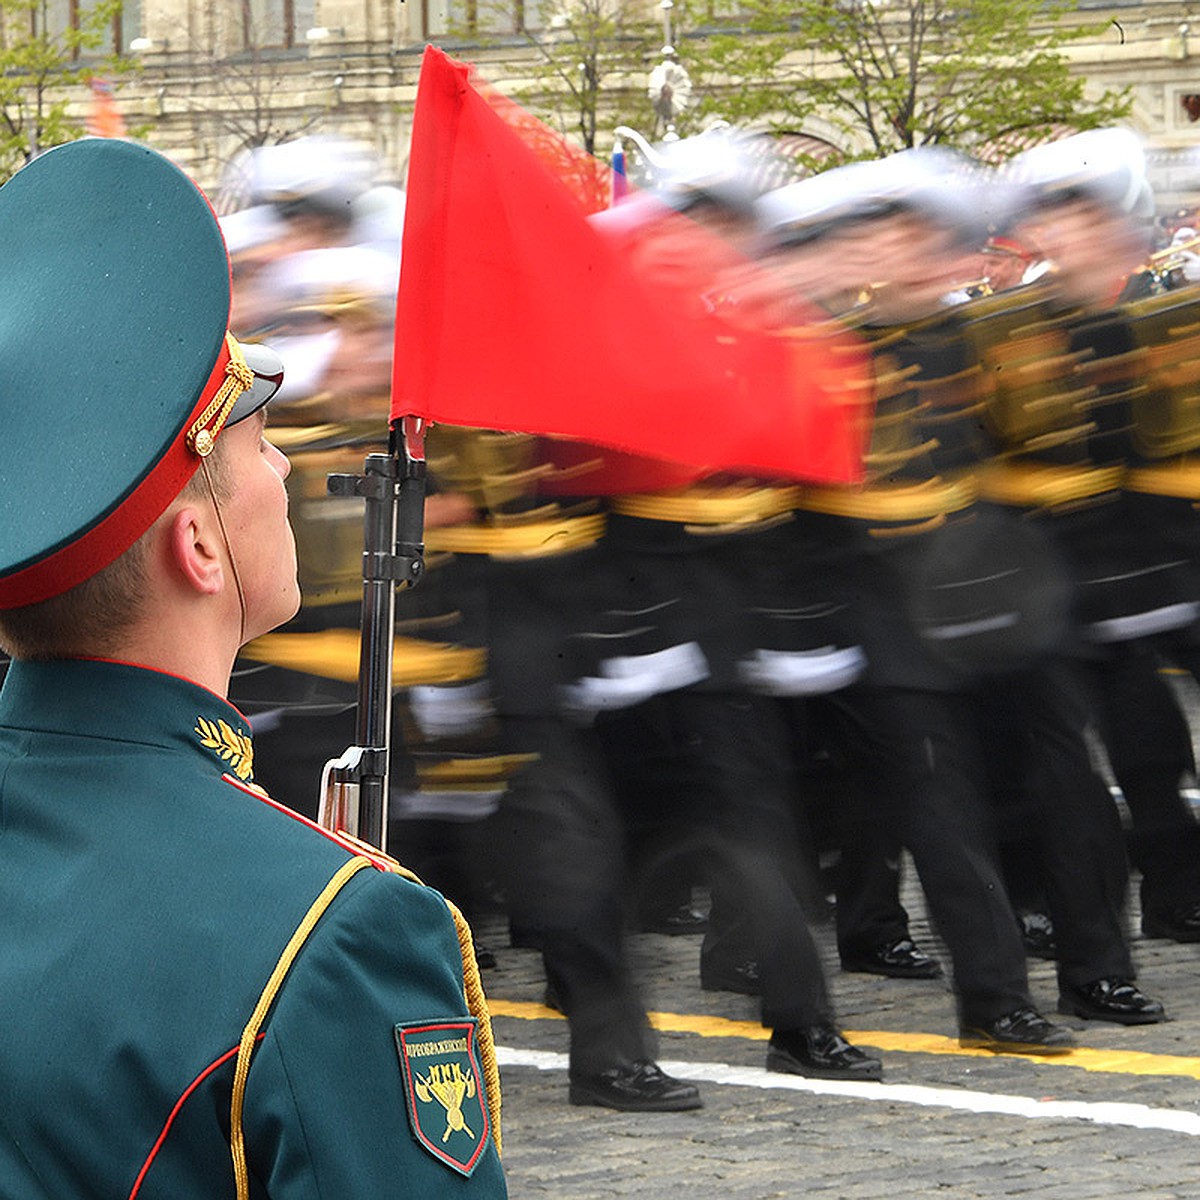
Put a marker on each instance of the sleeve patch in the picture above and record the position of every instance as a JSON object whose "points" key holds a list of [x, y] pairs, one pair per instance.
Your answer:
{"points": [[443, 1091]]}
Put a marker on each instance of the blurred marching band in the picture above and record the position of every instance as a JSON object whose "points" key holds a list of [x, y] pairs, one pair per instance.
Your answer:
{"points": [[716, 703]]}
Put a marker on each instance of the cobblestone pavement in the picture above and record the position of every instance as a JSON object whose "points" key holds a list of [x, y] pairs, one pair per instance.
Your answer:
{"points": [[912, 1135]]}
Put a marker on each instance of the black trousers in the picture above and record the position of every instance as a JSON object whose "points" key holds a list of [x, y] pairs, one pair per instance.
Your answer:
{"points": [[917, 776], [860, 855], [707, 774], [1149, 747], [1052, 795], [558, 847]]}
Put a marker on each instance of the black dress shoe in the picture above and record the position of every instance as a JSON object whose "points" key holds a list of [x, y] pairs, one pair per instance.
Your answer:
{"points": [[902, 959], [1111, 999], [1037, 932], [741, 977], [1022, 1031], [1179, 925], [675, 922], [819, 1052], [635, 1087]]}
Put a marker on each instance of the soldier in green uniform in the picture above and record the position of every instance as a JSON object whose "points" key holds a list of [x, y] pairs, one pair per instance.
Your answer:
{"points": [[205, 995]]}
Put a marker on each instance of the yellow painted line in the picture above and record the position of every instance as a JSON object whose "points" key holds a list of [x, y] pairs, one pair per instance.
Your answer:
{"points": [[524, 1010], [1122, 1062]]}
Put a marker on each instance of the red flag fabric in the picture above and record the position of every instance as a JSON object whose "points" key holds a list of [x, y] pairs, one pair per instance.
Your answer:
{"points": [[515, 312], [588, 179]]}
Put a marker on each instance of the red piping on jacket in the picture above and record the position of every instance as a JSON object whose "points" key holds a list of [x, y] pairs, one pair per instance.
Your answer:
{"points": [[166, 1129]]}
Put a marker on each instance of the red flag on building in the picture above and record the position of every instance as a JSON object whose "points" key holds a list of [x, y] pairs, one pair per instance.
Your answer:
{"points": [[515, 312]]}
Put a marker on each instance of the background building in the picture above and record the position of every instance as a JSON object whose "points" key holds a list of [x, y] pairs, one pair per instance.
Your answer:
{"points": [[216, 77]]}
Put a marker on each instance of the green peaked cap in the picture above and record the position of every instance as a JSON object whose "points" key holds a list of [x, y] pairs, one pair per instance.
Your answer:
{"points": [[114, 303]]}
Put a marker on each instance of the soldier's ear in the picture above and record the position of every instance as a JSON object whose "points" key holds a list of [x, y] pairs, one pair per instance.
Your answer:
{"points": [[195, 549]]}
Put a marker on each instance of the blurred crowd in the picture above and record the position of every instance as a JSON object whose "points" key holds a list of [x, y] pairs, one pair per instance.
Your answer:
{"points": [[726, 706]]}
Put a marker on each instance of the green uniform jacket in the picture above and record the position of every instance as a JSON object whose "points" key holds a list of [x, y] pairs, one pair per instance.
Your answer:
{"points": [[146, 893]]}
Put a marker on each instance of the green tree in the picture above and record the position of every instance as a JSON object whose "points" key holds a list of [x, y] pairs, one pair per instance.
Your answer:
{"points": [[887, 75], [590, 48], [249, 100], [592, 60], [40, 64]]}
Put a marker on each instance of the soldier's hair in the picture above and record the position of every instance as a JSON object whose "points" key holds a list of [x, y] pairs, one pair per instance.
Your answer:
{"points": [[91, 619]]}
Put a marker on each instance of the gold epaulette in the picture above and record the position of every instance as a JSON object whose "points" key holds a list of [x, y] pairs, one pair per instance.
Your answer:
{"points": [[891, 501], [1179, 478], [518, 539], [728, 506], [333, 654], [1043, 485]]}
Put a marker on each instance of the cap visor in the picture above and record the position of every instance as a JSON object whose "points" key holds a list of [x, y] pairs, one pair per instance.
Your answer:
{"points": [[268, 378]]}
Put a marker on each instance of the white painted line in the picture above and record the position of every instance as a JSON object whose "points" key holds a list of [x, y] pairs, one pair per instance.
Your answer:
{"points": [[1140, 1116]]}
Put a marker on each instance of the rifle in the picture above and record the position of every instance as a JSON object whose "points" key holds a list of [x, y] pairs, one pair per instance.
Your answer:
{"points": [[354, 786]]}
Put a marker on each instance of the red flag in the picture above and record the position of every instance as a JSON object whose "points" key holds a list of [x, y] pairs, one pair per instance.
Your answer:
{"points": [[515, 312], [589, 180]]}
